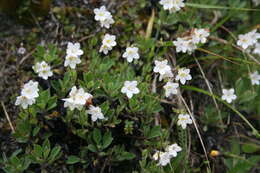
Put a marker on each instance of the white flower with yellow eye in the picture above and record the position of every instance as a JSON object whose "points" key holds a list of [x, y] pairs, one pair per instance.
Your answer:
{"points": [[183, 75], [131, 53], [171, 88], [173, 149], [183, 120], [200, 35], [74, 49], [104, 17], [24, 101], [72, 61], [77, 98], [130, 88], [95, 113], [228, 95], [30, 90], [161, 67], [43, 69]]}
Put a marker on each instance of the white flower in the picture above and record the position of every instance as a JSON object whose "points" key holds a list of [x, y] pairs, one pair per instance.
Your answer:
{"points": [[173, 149], [101, 13], [108, 43], [165, 159], [200, 35], [21, 50], [104, 16], [95, 113], [28, 94], [167, 4], [170, 88], [30, 90], [172, 5], [161, 67], [131, 53], [156, 155], [168, 74], [105, 49], [183, 75], [43, 70], [184, 45], [248, 39], [74, 49], [257, 49], [24, 101], [109, 40], [228, 95], [130, 88], [77, 98], [71, 61], [107, 22], [183, 120], [255, 78], [81, 97]]}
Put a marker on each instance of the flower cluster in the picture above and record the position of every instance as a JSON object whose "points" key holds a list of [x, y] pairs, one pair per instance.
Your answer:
{"points": [[108, 43], [28, 95], [164, 158], [43, 70], [172, 5], [248, 40], [183, 120], [104, 17], [189, 43], [77, 98], [73, 55], [163, 69]]}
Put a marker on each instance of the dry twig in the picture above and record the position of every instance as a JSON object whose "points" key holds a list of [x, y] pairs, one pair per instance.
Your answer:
{"points": [[7, 117]]}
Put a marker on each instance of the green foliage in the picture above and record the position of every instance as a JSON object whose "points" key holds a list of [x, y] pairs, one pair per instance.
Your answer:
{"points": [[15, 163], [133, 129], [45, 154]]}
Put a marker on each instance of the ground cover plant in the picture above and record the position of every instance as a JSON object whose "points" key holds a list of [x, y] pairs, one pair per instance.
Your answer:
{"points": [[130, 86]]}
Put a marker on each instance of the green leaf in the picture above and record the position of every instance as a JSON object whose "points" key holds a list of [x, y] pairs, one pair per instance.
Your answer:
{"points": [[92, 148], [55, 153], [125, 156], [72, 160], [46, 148], [247, 96], [154, 132], [14, 160], [250, 148], [37, 151], [97, 136], [43, 99], [52, 103], [107, 140], [36, 131]]}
